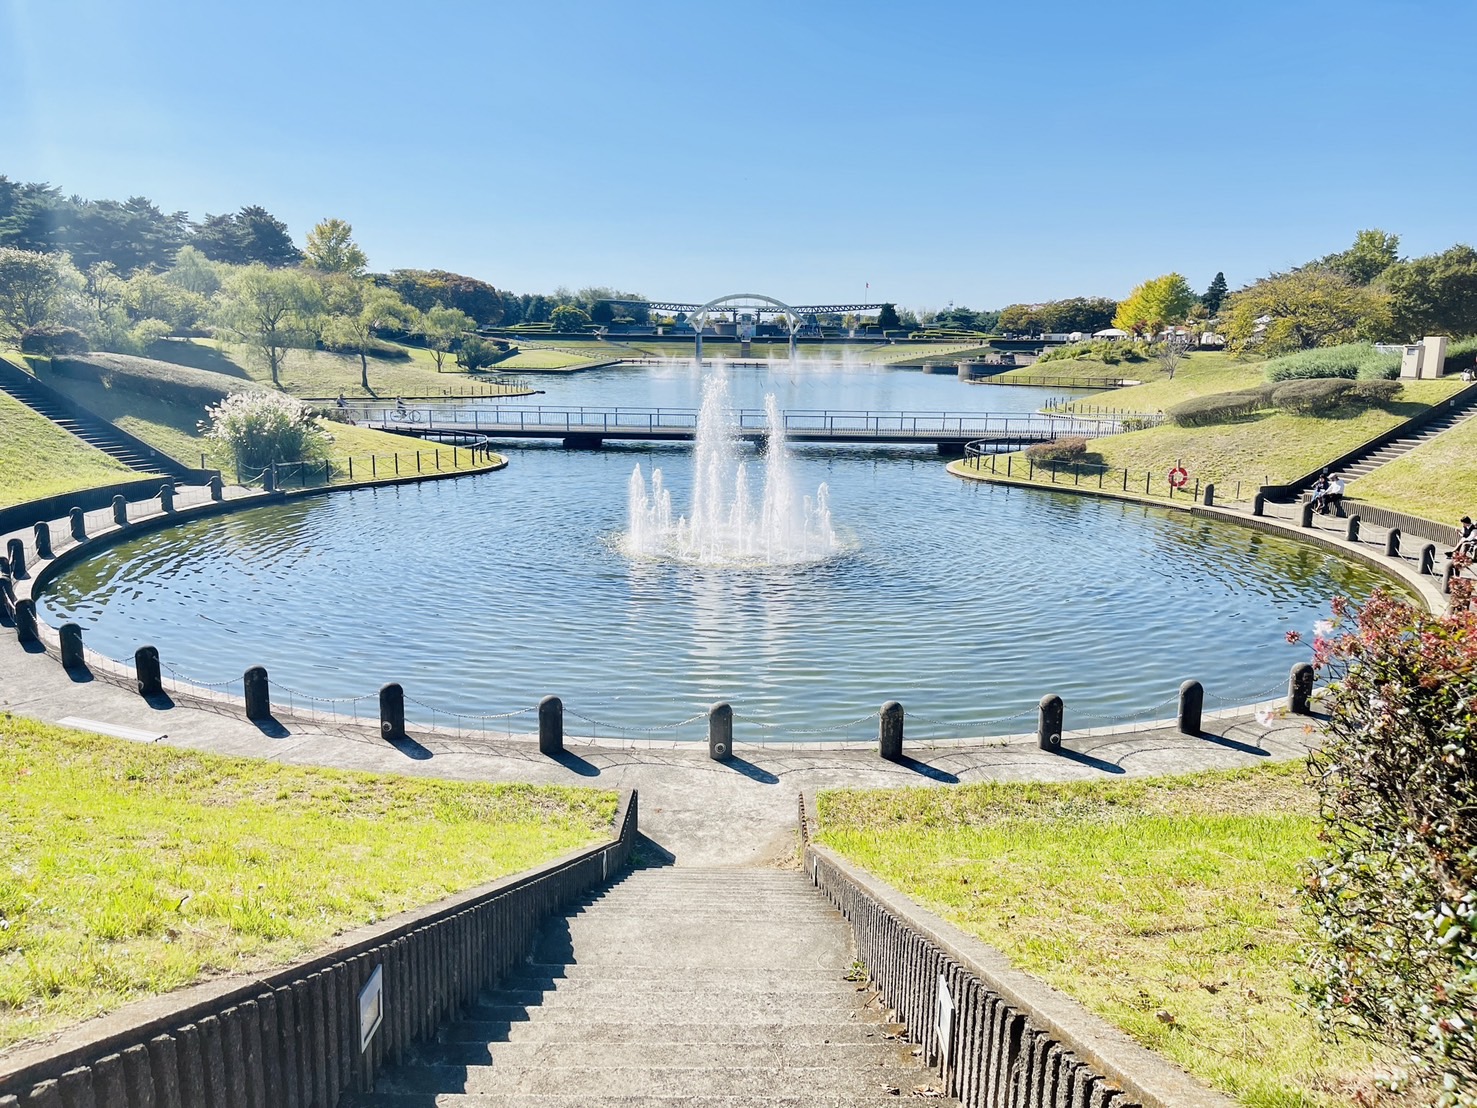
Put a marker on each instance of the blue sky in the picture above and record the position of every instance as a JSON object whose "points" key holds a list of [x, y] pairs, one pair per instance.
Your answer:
{"points": [[979, 153]]}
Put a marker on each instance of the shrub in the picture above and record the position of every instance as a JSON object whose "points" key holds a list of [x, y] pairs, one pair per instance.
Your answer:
{"points": [[1461, 355], [1351, 360], [1394, 895], [1221, 407], [1070, 449], [52, 340], [1107, 351], [264, 427], [1375, 393], [1314, 397]]}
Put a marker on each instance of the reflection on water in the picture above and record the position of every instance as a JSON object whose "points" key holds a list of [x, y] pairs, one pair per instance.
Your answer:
{"points": [[481, 595]]}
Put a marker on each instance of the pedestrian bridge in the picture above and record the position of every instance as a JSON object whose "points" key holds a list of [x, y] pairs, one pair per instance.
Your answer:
{"points": [[591, 427]]}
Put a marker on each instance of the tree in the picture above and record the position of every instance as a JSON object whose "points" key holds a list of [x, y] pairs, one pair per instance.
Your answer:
{"points": [[1215, 294], [888, 319], [331, 248], [1157, 303], [1435, 294], [1373, 252], [194, 272], [251, 236], [476, 353], [356, 310], [442, 328], [423, 289], [269, 309], [1303, 309], [567, 317], [30, 285]]}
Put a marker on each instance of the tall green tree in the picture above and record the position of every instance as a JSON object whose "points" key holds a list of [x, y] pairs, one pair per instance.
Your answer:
{"points": [[1435, 294], [1157, 303], [248, 237], [270, 310], [1215, 294], [1373, 252], [31, 286], [566, 317], [887, 318], [194, 272], [331, 248], [1305, 308], [423, 289], [443, 328], [358, 309]]}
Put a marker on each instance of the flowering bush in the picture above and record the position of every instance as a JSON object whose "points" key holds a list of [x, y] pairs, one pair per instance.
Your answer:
{"points": [[1394, 895], [264, 427]]}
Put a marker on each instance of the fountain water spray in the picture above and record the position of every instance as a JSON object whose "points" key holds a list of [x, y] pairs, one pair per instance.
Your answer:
{"points": [[724, 526]]}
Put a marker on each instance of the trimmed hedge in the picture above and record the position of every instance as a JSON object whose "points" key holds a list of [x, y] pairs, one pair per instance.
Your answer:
{"points": [[1351, 360], [1314, 397], [1375, 393], [1070, 449], [48, 338], [161, 380], [1107, 351], [1221, 407]]}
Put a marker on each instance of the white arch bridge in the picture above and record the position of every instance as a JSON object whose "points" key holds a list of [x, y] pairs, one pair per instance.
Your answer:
{"points": [[753, 305]]}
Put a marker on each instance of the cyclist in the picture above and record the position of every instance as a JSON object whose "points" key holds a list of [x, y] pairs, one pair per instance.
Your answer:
{"points": [[399, 407]]}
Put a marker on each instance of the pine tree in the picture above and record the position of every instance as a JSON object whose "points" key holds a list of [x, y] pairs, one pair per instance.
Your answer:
{"points": [[1211, 301]]}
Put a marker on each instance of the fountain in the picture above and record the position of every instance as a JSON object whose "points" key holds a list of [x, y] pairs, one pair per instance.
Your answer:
{"points": [[724, 528]]}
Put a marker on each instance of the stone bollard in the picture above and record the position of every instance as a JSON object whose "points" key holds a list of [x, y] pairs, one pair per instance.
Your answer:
{"points": [[1258, 505], [1307, 514], [7, 599], [720, 732], [217, 488], [72, 657], [43, 540], [4, 567], [551, 726], [25, 622], [1447, 573], [1209, 500], [166, 498], [890, 732], [146, 667], [1049, 723], [269, 478], [120, 511], [1392, 544], [1351, 532], [392, 712], [1428, 558], [15, 554], [258, 693], [1300, 689], [78, 518], [1192, 707]]}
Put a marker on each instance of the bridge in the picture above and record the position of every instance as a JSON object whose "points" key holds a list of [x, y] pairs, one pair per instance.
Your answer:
{"points": [[582, 427], [746, 309]]}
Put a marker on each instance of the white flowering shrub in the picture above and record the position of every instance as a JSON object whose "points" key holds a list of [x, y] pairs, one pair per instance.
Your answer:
{"points": [[264, 427]]}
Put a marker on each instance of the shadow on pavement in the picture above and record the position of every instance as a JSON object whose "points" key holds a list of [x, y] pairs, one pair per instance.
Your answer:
{"points": [[1234, 744], [575, 764], [1089, 760], [923, 769], [751, 771], [410, 748], [648, 854], [271, 728], [80, 675], [160, 702]]}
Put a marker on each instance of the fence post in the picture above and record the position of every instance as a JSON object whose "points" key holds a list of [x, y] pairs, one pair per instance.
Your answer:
{"points": [[1049, 722], [551, 726], [1392, 543], [1192, 706], [1259, 504], [78, 519], [1300, 689], [7, 598], [890, 732], [1428, 558], [1307, 520], [1351, 532], [146, 667], [1209, 500], [120, 511], [71, 635], [269, 478], [392, 712], [258, 693], [15, 553], [217, 488], [720, 732], [166, 498], [42, 531], [25, 621], [1447, 573]]}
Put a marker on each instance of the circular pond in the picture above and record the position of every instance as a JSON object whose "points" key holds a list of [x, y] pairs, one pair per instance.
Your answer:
{"points": [[966, 602]]}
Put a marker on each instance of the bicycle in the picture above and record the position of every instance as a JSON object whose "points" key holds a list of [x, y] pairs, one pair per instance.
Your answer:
{"points": [[405, 415]]}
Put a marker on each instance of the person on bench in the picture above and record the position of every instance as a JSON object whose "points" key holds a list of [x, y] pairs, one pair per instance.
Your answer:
{"points": [[1333, 496]]}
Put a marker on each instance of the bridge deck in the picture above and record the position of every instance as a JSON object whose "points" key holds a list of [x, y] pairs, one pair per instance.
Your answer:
{"points": [[680, 424]]}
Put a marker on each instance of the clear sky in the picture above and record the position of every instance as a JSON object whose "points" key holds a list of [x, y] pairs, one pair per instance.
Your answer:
{"points": [[977, 152]]}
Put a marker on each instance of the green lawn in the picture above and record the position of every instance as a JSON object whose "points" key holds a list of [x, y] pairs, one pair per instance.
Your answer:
{"points": [[38, 458], [1437, 480], [1173, 895], [134, 869]]}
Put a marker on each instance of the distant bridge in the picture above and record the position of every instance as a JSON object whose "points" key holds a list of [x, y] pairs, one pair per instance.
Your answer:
{"points": [[591, 427]]}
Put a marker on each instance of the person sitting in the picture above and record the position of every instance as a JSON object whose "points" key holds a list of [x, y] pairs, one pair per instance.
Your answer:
{"points": [[341, 402], [1467, 544], [1333, 497], [1320, 491]]}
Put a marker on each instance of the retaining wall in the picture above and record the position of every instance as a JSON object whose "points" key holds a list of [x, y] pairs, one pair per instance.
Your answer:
{"points": [[291, 1039], [1013, 1040]]}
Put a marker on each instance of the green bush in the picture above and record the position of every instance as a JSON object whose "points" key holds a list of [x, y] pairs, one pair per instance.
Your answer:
{"points": [[1071, 449], [1461, 355], [1107, 351], [1375, 393], [264, 427], [1351, 360], [1313, 397], [52, 340], [1221, 407]]}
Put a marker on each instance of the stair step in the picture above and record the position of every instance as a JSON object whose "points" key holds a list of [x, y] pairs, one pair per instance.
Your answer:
{"points": [[637, 1053], [767, 1027], [726, 989], [642, 1080], [667, 1100]]}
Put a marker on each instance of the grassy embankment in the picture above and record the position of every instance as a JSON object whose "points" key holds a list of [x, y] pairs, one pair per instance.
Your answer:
{"points": [[1172, 895], [135, 869], [38, 458], [1437, 480], [1270, 446]]}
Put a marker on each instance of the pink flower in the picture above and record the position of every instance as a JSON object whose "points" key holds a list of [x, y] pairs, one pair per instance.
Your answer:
{"points": [[1294, 636]]}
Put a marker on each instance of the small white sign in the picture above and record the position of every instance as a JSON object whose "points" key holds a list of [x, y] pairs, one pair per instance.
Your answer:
{"points": [[371, 1007], [944, 1024]]}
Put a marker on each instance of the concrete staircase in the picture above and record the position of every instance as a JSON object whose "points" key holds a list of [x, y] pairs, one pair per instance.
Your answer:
{"points": [[717, 988], [1367, 463], [91, 429]]}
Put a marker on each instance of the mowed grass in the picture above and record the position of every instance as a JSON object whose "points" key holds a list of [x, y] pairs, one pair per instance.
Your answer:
{"points": [[1437, 480], [134, 869], [1170, 895], [38, 458]]}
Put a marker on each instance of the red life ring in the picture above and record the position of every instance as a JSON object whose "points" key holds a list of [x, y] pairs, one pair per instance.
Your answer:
{"points": [[1178, 476]]}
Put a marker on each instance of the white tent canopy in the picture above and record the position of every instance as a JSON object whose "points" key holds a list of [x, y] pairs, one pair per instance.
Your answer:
{"points": [[1110, 333]]}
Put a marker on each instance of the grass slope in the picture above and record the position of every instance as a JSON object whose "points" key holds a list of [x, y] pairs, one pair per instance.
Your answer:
{"points": [[1174, 895], [134, 869], [1437, 480], [38, 458]]}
